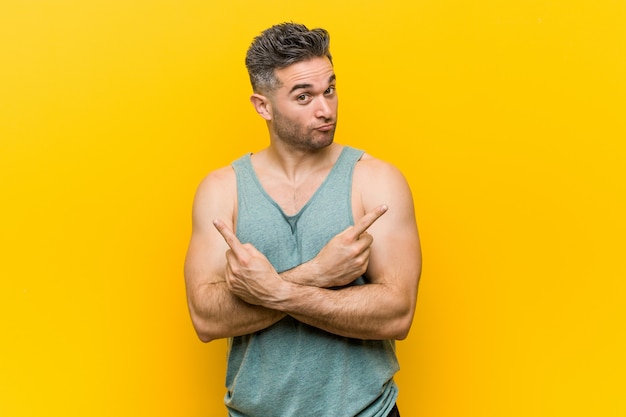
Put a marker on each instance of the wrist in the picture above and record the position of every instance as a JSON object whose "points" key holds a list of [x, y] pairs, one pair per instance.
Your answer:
{"points": [[304, 274], [283, 297]]}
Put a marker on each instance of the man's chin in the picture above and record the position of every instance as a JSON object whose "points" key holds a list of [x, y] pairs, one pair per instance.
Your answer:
{"points": [[325, 141]]}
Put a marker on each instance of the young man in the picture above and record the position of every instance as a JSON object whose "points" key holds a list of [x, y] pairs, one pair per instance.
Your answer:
{"points": [[306, 254]]}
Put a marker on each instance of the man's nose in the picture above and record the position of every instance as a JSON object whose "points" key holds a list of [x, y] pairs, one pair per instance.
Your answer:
{"points": [[324, 108]]}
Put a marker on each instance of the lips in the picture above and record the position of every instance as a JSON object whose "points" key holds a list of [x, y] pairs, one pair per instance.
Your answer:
{"points": [[325, 128]]}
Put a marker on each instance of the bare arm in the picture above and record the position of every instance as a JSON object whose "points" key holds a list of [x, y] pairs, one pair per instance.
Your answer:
{"points": [[215, 311], [382, 309]]}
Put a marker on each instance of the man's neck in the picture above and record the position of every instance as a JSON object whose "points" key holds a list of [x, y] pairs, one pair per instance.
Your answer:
{"points": [[296, 164]]}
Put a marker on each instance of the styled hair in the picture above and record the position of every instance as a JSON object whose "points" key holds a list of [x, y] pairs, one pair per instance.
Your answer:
{"points": [[280, 46]]}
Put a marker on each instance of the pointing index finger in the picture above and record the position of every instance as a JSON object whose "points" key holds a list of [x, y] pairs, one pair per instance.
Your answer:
{"points": [[366, 221], [228, 235]]}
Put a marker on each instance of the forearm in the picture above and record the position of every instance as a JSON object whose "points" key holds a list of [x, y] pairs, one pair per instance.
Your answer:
{"points": [[315, 274], [217, 313], [370, 311], [305, 274]]}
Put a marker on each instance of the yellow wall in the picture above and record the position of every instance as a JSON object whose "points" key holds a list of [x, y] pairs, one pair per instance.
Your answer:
{"points": [[508, 119]]}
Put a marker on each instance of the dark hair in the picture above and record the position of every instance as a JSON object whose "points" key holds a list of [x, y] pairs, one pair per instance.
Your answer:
{"points": [[280, 46]]}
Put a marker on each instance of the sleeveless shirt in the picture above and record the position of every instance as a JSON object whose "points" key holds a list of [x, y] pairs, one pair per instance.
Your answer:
{"points": [[291, 369]]}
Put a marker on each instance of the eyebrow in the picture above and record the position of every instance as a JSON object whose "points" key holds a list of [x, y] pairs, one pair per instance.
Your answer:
{"points": [[305, 86]]}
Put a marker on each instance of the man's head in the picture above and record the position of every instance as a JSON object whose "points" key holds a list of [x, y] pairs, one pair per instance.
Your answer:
{"points": [[280, 46]]}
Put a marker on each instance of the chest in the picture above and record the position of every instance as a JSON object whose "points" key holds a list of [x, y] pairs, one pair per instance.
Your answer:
{"points": [[292, 197], [298, 231]]}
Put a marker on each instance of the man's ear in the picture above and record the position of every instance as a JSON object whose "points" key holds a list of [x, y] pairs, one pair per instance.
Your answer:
{"points": [[262, 106]]}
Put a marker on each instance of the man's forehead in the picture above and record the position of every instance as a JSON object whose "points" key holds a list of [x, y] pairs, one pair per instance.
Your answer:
{"points": [[313, 71]]}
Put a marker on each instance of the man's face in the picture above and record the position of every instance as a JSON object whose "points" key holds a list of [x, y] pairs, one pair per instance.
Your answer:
{"points": [[304, 107]]}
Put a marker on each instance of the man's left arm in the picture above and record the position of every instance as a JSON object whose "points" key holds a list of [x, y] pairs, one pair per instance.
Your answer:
{"points": [[384, 307]]}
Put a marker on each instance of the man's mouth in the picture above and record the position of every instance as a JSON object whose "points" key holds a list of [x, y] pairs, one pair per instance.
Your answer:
{"points": [[326, 127]]}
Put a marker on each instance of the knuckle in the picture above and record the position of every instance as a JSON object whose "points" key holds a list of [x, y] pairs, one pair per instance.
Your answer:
{"points": [[354, 252]]}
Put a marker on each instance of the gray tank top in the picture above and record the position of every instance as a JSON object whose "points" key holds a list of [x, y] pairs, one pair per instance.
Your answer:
{"points": [[291, 369]]}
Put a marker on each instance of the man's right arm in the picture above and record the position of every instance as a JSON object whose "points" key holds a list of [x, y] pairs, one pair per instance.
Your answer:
{"points": [[215, 312]]}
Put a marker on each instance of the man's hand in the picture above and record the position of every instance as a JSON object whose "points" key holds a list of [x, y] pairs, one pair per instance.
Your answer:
{"points": [[249, 274], [346, 256]]}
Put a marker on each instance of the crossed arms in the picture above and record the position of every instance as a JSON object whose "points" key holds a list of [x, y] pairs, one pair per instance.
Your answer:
{"points": [[232, 289]]}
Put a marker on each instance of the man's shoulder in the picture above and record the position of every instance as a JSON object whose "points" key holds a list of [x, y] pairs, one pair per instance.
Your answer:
{"points": [[371, 168], [379, 182], [220, 175], [216, 197], [219, 181]]}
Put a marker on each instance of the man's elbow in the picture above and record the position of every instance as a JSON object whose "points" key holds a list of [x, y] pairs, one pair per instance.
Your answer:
{"points": [[204, 337], [402, 328], [205, 331]]}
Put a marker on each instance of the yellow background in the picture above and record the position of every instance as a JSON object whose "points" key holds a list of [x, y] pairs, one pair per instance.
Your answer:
{"points": [[508, 119]]}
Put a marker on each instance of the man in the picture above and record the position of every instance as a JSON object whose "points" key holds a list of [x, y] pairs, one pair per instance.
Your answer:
{"points": [[306, 254]]}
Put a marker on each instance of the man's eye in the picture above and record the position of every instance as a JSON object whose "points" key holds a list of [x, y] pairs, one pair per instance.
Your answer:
{"points": [[303, 98]]}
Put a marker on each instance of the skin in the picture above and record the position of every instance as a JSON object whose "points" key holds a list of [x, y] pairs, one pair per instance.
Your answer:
{"points": [[233, 289]]}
